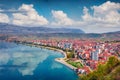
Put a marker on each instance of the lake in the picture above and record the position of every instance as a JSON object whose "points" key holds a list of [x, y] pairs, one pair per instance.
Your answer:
{"points": [[20, 62]]}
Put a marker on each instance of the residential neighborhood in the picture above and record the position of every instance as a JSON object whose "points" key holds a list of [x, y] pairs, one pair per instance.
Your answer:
{"points": [[88, 52]]}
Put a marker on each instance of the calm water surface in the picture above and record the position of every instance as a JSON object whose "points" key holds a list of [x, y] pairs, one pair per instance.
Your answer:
{"points": [[20, 62]]}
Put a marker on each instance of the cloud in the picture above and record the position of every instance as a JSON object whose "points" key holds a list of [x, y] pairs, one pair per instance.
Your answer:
{"points": [[86, 16], [11, 11], [61, 18], [4, 18], [29, 17], [105, 18], [107, 12]]}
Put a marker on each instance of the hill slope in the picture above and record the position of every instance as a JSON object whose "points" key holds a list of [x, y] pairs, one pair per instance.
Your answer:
{"points": [[45, 32], [13, 29], [108, 71]]}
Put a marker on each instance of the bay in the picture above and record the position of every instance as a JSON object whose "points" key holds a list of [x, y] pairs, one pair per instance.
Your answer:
{"points": [[20, 62]]}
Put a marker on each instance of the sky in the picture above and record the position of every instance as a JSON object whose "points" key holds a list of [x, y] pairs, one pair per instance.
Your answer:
{"points": [[91, 16]]}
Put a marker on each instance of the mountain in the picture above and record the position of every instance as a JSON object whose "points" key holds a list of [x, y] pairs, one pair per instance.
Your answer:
{"points": [[13, 29], [45, 32]]}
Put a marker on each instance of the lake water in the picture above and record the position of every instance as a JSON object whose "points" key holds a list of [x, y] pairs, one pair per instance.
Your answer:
{"points": [[20, 62]]}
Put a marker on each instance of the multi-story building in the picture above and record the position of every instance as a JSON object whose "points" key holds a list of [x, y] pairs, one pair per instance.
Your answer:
{"points": [[94, 55]]}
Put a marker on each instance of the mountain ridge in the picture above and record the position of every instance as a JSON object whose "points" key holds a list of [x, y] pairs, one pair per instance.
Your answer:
{"points": [[9, 28], [45, 32]]}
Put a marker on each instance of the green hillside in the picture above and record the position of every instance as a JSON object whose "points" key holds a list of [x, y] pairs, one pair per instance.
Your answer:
{"points": [[108, 71]]}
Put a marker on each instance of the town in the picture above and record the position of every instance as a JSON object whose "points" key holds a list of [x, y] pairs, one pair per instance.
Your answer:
{"points": [[85, 55]]}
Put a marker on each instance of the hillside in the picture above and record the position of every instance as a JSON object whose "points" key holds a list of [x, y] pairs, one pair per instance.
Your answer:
{"points": [[13, 29], [45, 32], [108, 71]]}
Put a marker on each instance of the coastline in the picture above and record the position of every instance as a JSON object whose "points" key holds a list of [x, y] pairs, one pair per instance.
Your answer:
{"points": [[61, 60]]}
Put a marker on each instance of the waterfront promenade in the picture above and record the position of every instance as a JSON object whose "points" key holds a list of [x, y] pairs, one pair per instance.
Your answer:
{"points": [[60, 60]]}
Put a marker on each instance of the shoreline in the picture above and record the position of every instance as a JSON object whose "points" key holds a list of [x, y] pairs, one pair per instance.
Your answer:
{"points": [[61, 60]]}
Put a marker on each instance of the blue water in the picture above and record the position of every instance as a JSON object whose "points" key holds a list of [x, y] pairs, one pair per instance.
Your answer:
{"points": [[20, 62]]}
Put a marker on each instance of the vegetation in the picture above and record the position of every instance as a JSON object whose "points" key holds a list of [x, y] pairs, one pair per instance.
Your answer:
{"points": [[70, 53], [75, 64], [108, 71]]}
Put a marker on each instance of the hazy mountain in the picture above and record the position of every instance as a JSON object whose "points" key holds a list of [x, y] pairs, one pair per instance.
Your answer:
{"points": [[113, 35], [45, 32], [13, 29]]}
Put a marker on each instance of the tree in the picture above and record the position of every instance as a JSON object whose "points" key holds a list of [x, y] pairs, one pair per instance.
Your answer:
{"points": [[108, 71]]}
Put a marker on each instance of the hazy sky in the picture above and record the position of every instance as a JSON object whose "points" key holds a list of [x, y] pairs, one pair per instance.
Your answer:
{"points": [[92, 16]]}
